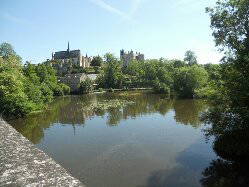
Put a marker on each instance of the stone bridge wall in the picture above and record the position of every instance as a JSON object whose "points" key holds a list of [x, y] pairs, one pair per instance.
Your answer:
{"points": [[22, 164]]}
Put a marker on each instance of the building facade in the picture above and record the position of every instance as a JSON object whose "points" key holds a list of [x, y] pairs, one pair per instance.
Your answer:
{"points": [[128, 57], [71, 57], [74, 80]]}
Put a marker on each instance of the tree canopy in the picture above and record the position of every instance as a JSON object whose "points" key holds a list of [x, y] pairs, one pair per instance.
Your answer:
{"points": [[97, 61], [190, 58], [27, 88]]}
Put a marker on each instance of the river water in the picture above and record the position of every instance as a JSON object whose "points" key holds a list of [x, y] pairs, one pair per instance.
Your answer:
{"points": [[124, 139]]}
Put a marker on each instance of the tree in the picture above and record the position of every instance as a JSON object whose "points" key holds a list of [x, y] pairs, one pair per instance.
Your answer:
{"points": [[230, 25], [86, 86], [97, 61], [109, 58], [13, 99], [178, 63], [190, 57], [112, 76], [7, 50], [189, 79], [27, 88], [229, 116]]}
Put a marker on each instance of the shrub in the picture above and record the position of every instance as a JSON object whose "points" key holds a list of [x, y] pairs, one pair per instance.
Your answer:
{"points": [[86, 86]]}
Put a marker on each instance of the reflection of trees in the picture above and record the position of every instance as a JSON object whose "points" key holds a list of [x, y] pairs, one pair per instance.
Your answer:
{"points": [[188, 111], [33, 126], [223, 173], [75, 110], [114, 116], [144, 103], [232, 146]]}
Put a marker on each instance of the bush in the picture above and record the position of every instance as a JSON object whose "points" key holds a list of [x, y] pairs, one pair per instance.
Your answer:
{"points": [[160, 87], [189, 79], [66, 89], [86, 86], [61, 89]]}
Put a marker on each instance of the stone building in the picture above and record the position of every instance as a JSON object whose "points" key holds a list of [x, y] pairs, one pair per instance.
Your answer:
{"points": [[73, 80], [127, 57], [65, 59]]}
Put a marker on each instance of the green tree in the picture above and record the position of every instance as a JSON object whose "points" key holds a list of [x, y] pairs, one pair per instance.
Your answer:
{"points": [[189, 79], [7, 50], [97, 61], [230, 24], [229, 118], [27, 88], [13, 99], [190, 58], [109, 58], [86, 86], [112, 76], [178, 63]]}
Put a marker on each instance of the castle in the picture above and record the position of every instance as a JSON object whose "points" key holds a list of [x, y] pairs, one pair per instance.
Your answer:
{"points": [[128, 57], [71, 56]]}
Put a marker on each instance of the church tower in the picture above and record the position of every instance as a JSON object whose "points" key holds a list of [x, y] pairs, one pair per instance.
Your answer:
{"points": [[68, 49]]}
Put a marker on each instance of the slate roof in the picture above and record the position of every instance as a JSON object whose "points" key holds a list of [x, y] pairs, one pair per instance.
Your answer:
{"points": [[66, 54]]}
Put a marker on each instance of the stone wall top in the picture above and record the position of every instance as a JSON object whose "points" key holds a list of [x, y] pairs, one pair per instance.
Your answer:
{"points": [[22, 164]]}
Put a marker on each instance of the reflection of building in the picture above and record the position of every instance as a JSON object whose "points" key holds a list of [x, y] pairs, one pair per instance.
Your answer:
{"points": [[71, 57], [127, 57]]}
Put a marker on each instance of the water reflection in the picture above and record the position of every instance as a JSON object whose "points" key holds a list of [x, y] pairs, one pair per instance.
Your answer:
{"points": [[224, 173], [232, 147], [187, 111], [123, 139], [231, 169], [187, 173], [74, 111]]}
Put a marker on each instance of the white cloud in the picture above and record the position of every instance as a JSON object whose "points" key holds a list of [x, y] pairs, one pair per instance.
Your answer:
{"points": [[134, 7], [125, 15], [14, 19], [110, 8]]}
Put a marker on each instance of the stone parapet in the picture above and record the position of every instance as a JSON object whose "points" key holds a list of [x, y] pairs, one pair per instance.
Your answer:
{"points": [[22, 164]]}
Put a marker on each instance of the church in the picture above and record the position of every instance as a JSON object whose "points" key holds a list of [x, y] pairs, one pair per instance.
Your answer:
{"points": [[71, 56]]}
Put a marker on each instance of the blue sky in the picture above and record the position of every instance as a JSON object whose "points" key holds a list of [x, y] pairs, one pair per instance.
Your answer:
{"points": [[157, 28]]}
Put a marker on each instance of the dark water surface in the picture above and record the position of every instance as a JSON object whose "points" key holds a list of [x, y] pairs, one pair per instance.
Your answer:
{"points": [[124, 139]]}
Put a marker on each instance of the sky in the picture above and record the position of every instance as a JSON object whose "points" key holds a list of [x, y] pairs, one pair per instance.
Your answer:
{"points": [[157, 28]]}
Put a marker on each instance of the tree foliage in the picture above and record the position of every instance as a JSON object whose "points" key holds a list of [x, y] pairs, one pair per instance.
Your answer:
{"points": [[111, 76], [97, 61], [86, 86], [6, 50], [230, 24], [27, 88], [190, 58], [164, 76], [229, 116], [189, 79]]}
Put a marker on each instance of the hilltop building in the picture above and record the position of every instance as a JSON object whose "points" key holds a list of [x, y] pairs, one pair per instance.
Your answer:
{"points": [[65, 59], [127, 57]]}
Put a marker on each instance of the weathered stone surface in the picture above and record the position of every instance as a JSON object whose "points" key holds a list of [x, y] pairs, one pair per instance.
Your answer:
{"points": [[22, 164]]}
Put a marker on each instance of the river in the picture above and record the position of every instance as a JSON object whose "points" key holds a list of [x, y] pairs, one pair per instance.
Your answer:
{"points": [[124, 139]]}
